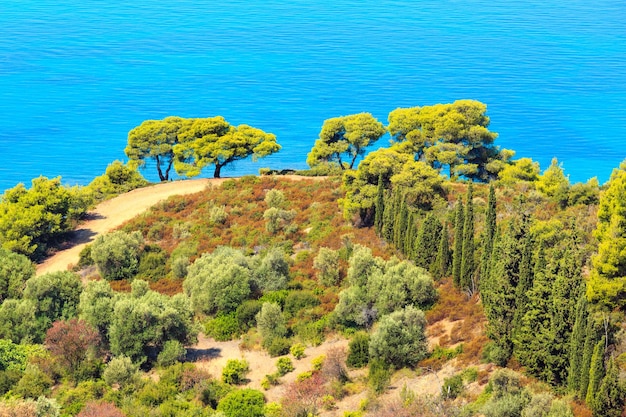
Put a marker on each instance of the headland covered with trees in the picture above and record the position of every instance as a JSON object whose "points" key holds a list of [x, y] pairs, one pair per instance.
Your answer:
{"points": [[440, 255]]}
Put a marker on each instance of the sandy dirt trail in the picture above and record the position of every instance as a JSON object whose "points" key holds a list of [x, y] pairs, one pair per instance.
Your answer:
{"points": [[112, 213]]}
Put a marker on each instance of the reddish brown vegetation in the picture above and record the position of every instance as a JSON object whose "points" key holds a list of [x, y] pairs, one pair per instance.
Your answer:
{"points": [[71, 341], [104, 409]]}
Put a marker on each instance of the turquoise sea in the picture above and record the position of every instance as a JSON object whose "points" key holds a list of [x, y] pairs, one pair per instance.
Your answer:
{"points": [[76, 76]]}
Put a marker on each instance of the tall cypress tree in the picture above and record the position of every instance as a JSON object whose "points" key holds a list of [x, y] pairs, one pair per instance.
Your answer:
{"points": [[577, 345], [525, 279], [596, 371], [533, 338], [566, 290], [490, 232], [591, 337], [388, 218], [379, 206], [458, 244], [401, 223], [442, 261], [427, 242], [609, 400], [467, 257], [410, 237], [498, 293]]}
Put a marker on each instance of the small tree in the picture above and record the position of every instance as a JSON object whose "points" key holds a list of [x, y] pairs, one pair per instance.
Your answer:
{"points": [[246, 402], [120, 371], [358, 350], [117, 254], [235, 371], [400, 338], [15, 270], [271, 323], [73, 342], [327, 264]]}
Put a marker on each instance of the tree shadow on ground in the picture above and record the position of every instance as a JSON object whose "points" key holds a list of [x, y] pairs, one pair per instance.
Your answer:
{"points": [[195, 355]]}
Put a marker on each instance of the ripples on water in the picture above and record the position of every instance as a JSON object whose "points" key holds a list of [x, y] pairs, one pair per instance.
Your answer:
{"points": [[76, 77]]}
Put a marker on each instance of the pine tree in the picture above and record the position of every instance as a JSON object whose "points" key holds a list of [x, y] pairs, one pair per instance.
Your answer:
{"points": [[427, 242], [379, 206], [467, 257], [596, 371], [490, 232], [458, 244], [609, 400], [577, 344], [442, 261]]}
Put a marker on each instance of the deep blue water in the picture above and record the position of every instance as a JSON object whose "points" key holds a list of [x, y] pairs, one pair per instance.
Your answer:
{"points": [[76, 76]]}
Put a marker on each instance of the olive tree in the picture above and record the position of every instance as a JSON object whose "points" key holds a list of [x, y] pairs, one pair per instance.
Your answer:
{"points": [[400, 338], [117, 254]]}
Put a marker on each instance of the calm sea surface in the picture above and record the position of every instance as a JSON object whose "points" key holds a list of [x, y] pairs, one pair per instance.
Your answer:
{"points": [[76, 76]]}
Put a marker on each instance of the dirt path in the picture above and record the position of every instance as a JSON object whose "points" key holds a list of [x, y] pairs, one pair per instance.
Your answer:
{"points": [[112, 213]]}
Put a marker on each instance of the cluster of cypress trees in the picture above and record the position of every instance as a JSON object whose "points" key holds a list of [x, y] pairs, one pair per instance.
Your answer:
{"points": [[532, 291]]}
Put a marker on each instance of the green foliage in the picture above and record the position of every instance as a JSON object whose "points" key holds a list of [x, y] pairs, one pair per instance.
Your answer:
{"points": [[15, 270], [379, 375], [607, 281], [586, 194], [19, 323], [32, 219], [246, 402], [272, 273], [399, 339], [96, 305], [596, 372], [34, 383], [173, 351], [278, 219], [223, 327], [117, 254], [358, 350], [457, 255], [452, 387], [428, 240], [271, 323], [299, 300], [154, 139], [507, 399], [120, 371], [213, 141], [284, 366], [609, 399], [577, 343], [55, 296], [218, 282], [453, 135], [345, 135], [117, 179], [489, 234], [235, 371], [275, 198], [13, 357], [327, 265], [521, 170], [246, 313], [144, 323], [152, 262], [277, 346], [553, 183], [467, 257], [297, 350]]}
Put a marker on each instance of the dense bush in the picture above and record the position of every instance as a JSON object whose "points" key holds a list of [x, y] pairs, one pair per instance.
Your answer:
{"points": [[246, 402], [358, 350], [15, 270], [327, 265], [399, 339], [117, 254], [235, 371]]}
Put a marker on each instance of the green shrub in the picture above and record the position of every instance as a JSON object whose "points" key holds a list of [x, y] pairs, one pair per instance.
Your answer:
{"points": [[223, 327], [379, 375], [179, 266], [299, 300], [273, 410], [284, 366], [318, 362], [173, 351], [152, 263], [121, 371], [304, 376], [84, 258], [218, 215], [235, 371], [277, 346], [246, 313], [34, 383], [328, 402], [297, 350], [213, 392], [358, 350], [117, 254], [452, 387], [246, 402]]}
